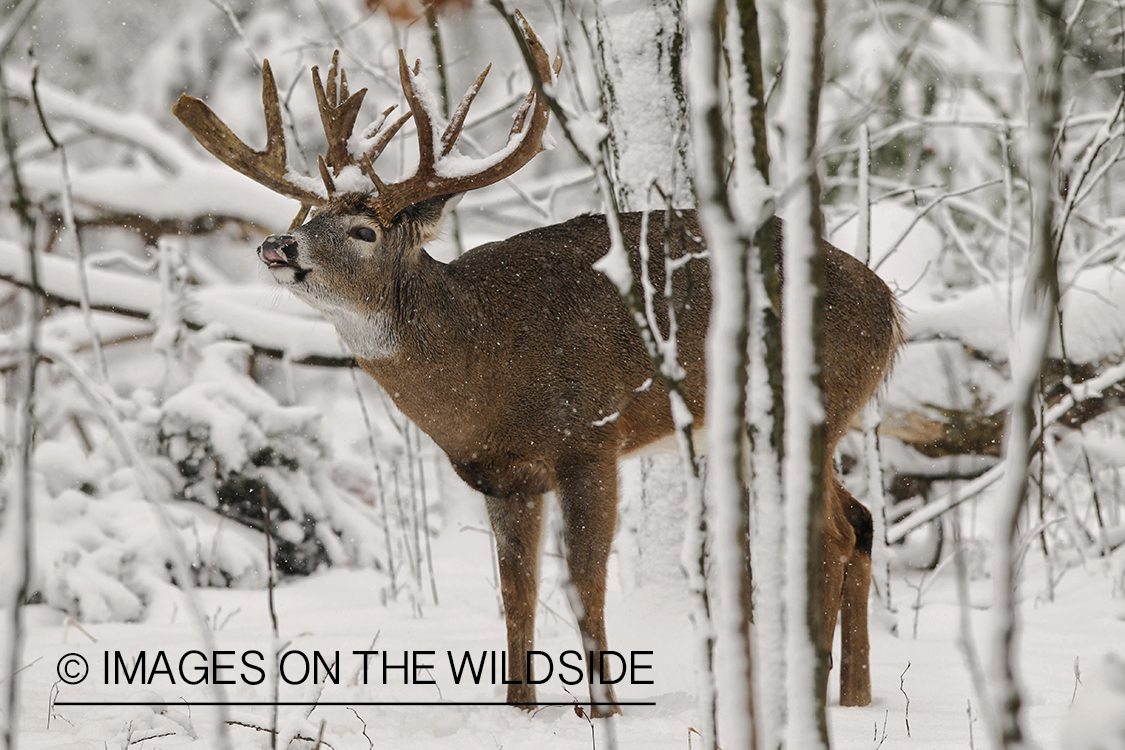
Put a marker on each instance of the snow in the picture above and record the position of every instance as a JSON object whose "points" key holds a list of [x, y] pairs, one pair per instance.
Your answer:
{"points": [[636, 46], [1097, 721], [103, 554], [1083, 623], [250, 312]]}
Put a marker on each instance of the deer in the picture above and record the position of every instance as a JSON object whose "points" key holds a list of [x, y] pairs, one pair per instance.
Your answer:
{"points": [[518, 359]]}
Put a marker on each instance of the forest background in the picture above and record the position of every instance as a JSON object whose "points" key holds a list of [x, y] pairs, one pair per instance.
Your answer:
{"points": [[172, 375]]}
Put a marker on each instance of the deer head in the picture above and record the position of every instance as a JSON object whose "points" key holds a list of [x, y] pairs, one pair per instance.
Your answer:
{"points": [[360, 234]]}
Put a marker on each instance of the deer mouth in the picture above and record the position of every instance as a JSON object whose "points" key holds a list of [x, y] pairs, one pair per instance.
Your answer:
{"points": [[282, 264], [274, 258]]}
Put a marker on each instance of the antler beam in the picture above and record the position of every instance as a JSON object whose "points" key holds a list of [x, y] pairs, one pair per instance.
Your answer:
{"points": [[524, 141], [268, 167]]}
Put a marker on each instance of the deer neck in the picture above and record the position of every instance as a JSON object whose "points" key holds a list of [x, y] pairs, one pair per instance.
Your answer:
{"points": [[406, 313], [430, 372]]}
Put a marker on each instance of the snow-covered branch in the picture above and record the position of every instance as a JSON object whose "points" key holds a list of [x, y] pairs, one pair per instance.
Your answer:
{"points": [[243, 310]]}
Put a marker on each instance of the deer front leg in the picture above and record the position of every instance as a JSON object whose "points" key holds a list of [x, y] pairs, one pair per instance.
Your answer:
{"points": [[588, 498], [516, 522]]}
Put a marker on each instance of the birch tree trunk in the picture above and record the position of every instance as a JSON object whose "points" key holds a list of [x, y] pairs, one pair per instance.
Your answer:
{"points": [[640, 47], [730, 219], [802, 469], [1031, 333]]}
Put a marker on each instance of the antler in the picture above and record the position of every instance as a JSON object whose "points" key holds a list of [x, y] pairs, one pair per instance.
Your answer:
{"points": [[268, 167], [525, 140], [338, 113]]}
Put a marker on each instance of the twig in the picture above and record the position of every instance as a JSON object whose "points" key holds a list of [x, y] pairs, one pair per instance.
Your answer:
{"points": [[20, 512], [257, 728], [969, 712], [1077, 681], [902, 689], [917, 600], [15, 22], [965, 627], [71, 227], [425, 515], [227, 11], [380, 486], [267, 528], [370, 744], [918, 215], [882, 738], [148, 737], [581, 714]]}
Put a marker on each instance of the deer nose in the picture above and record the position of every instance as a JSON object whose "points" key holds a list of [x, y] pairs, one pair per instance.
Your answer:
{"points": [[278, 250]]}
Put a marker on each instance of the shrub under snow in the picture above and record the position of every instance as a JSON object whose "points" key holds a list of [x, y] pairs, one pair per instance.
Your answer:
{"points": [[209, 456]]}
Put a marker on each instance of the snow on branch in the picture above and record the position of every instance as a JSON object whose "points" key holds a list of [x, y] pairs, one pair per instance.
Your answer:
{"points": [[302, 340], [1094, 329], [171, 180]]}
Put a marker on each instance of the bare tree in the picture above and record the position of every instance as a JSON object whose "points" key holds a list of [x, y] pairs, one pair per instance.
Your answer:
{"points": [[1043, 33], [727, 341]]}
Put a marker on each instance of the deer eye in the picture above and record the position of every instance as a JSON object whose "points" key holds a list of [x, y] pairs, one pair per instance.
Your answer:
{"points": [[364, 234]]}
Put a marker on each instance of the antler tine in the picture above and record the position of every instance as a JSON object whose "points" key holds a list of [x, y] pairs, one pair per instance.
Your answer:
{"points": [[422, 121], [530, 125], [385, 137], [453, 130], [268, 167], [338, 113], [325, 175], [333, 69], [525, 108], [365, 165]]}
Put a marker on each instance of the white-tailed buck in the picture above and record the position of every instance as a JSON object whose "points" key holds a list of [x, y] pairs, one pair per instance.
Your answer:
{"points": [[512, 356]]}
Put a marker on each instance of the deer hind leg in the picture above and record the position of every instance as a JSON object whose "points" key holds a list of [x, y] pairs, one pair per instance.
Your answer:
{"points": [[588, 498], [516, 522], [855, 674], [839, 543]]}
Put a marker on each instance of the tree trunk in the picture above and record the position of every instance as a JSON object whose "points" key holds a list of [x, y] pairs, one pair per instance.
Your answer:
{"points": [[640, 47], [803, 480]]}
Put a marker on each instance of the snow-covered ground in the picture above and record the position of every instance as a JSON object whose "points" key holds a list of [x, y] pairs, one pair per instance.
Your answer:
{"points": [[923, 696]]}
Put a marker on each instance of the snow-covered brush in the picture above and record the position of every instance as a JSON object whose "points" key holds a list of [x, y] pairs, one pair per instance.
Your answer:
{"points": [[236, 451], [206, 454]]}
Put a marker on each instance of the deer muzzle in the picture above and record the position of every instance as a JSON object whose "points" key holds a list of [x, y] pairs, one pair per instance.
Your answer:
{"points": [[278, 250]]}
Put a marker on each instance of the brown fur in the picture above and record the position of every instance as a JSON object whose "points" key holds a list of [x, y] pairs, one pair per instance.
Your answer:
{"points": [[512, 357]]}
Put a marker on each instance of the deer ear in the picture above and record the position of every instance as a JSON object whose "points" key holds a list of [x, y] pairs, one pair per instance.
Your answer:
{"points": [[429, 215]]}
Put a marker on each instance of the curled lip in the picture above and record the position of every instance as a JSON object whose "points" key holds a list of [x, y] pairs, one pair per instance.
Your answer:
{"points": [[274, 258]]}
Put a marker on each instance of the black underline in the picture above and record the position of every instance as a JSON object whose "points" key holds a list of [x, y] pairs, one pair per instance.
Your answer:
{"points": [[537, 704]]}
